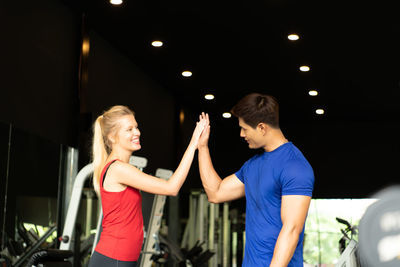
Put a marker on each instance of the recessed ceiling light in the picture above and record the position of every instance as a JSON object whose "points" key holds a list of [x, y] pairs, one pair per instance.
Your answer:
{"points": [[313, 92], [320, 111], [304, 68], [226, 115], [293, 37], [209, 96], [186, 73], [157, 43], [116, 2]]}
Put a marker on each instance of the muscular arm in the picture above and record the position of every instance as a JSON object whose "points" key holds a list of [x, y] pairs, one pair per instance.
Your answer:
{"points": [[293, 212], [217, 189]]}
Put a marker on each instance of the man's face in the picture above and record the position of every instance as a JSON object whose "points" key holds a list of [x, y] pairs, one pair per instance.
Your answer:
{"points": [[253, 136]]}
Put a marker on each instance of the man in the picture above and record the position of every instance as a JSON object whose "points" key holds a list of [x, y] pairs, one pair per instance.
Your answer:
{"points": [[277, 184]]}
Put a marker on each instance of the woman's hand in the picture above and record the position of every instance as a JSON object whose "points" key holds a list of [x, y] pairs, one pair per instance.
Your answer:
{"points": [[200, 127]]}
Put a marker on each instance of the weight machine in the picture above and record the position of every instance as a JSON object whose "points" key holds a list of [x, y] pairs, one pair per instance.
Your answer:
{"points": [[219, 235], [151, 240]]}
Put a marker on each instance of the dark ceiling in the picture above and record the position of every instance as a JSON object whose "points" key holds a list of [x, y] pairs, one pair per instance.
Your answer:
{"points": [[237, 47]]}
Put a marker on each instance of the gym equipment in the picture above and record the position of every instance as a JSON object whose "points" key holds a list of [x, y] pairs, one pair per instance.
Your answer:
{"points": [[50, 258], [28, 253], [196, 227], [151, 239], [348, 246], [218, 239], [82, 176], [379, 230], [151, 243]]}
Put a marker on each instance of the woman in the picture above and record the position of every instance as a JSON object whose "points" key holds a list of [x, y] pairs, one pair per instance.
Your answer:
{"points": [[116, 136]]}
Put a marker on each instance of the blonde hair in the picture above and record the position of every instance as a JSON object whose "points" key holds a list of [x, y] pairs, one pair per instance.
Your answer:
{"points": [[105, 124]]}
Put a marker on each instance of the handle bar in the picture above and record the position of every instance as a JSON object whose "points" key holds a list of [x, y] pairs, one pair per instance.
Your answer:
{"points": [[344, 222]]}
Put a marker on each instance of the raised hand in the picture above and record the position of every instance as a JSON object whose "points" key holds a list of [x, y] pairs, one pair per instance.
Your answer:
{"points": [[200, 126], [205, 134]]}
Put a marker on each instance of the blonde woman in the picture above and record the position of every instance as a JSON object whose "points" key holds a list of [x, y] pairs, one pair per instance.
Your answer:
{"points": [[116, 136]]}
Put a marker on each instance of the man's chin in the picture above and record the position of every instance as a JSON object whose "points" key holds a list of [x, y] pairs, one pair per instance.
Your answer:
{"points": [[252, 146]]}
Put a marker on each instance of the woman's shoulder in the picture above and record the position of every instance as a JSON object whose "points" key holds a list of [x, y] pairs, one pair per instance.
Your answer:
{"points": [[121, 167]]}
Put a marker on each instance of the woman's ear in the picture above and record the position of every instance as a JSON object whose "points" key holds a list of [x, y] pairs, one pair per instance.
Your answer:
{"points": [[111, 138]]}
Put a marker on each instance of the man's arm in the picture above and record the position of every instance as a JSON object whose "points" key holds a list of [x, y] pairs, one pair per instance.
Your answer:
{"points": [[217, 189], [293, 212]]}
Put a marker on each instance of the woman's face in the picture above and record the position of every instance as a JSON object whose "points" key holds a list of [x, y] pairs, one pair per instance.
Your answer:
{"points": [[128, 134]]}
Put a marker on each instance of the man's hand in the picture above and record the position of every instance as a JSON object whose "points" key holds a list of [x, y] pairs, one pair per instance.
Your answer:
{"points": [[203, 140]]}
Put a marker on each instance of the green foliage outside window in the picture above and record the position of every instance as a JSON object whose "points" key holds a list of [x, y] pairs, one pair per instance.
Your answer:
{"points": [[322, 231]]}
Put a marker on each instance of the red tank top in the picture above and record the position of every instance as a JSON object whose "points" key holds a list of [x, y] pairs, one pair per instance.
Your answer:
{"points": [[122, 234]]}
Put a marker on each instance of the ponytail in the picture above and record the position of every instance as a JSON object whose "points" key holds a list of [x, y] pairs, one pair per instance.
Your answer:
{"points": [[103, 126], [99, 154]]}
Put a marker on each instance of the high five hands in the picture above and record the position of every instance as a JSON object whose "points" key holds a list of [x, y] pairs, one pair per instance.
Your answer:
{"points": [[203, 141], [202, 131]]}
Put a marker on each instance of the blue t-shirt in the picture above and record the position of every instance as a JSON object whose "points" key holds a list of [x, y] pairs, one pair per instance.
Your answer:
{"points": [[267, 177]]}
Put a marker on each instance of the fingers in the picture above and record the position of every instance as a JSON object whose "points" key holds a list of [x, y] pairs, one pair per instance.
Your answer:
{"points": [[205, 117]]}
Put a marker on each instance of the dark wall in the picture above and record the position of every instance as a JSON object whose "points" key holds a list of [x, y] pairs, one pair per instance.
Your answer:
{"points": [[4, 149], [115, 80], [41, 99], [350, 159], [39, 64]]}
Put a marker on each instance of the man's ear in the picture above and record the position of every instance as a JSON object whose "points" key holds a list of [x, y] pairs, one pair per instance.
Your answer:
{"points": [[263, 128]]}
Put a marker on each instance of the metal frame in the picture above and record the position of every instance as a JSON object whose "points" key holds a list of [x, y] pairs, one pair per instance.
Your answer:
{"points": [[151, 244], [73, 207]]}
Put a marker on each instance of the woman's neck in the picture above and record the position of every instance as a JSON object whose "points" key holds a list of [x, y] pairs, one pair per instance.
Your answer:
{"points": [[120, 155]]}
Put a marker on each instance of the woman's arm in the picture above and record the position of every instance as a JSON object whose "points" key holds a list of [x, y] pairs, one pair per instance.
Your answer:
{"points": [[129, 175]]}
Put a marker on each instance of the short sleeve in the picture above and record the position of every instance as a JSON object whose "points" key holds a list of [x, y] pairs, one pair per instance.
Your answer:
{"points": [[241, 174], [297, 178]]}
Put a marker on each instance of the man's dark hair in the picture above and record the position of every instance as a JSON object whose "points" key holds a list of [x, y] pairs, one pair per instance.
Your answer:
{"points": [[255, 108]]}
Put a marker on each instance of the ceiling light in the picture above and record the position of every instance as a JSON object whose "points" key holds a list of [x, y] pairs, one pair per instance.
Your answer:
{"points": [[319, 111], [313, 92], [304, 68], [186, 73], [293, 37], [209, 96], [116, 2], [226, 115], [157, 43]]}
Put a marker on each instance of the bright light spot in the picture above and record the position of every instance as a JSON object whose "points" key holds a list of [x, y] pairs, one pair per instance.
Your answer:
{"points": [[186, 73], [305, 68], [85, 46], [319, 111], [293, 37], [116, 2], [157, 43], [181, 116], [313, 92], [226, 115], [209, 96]]}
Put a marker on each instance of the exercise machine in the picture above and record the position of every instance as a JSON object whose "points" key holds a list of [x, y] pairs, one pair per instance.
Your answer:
{"points": [[348, 246]]}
